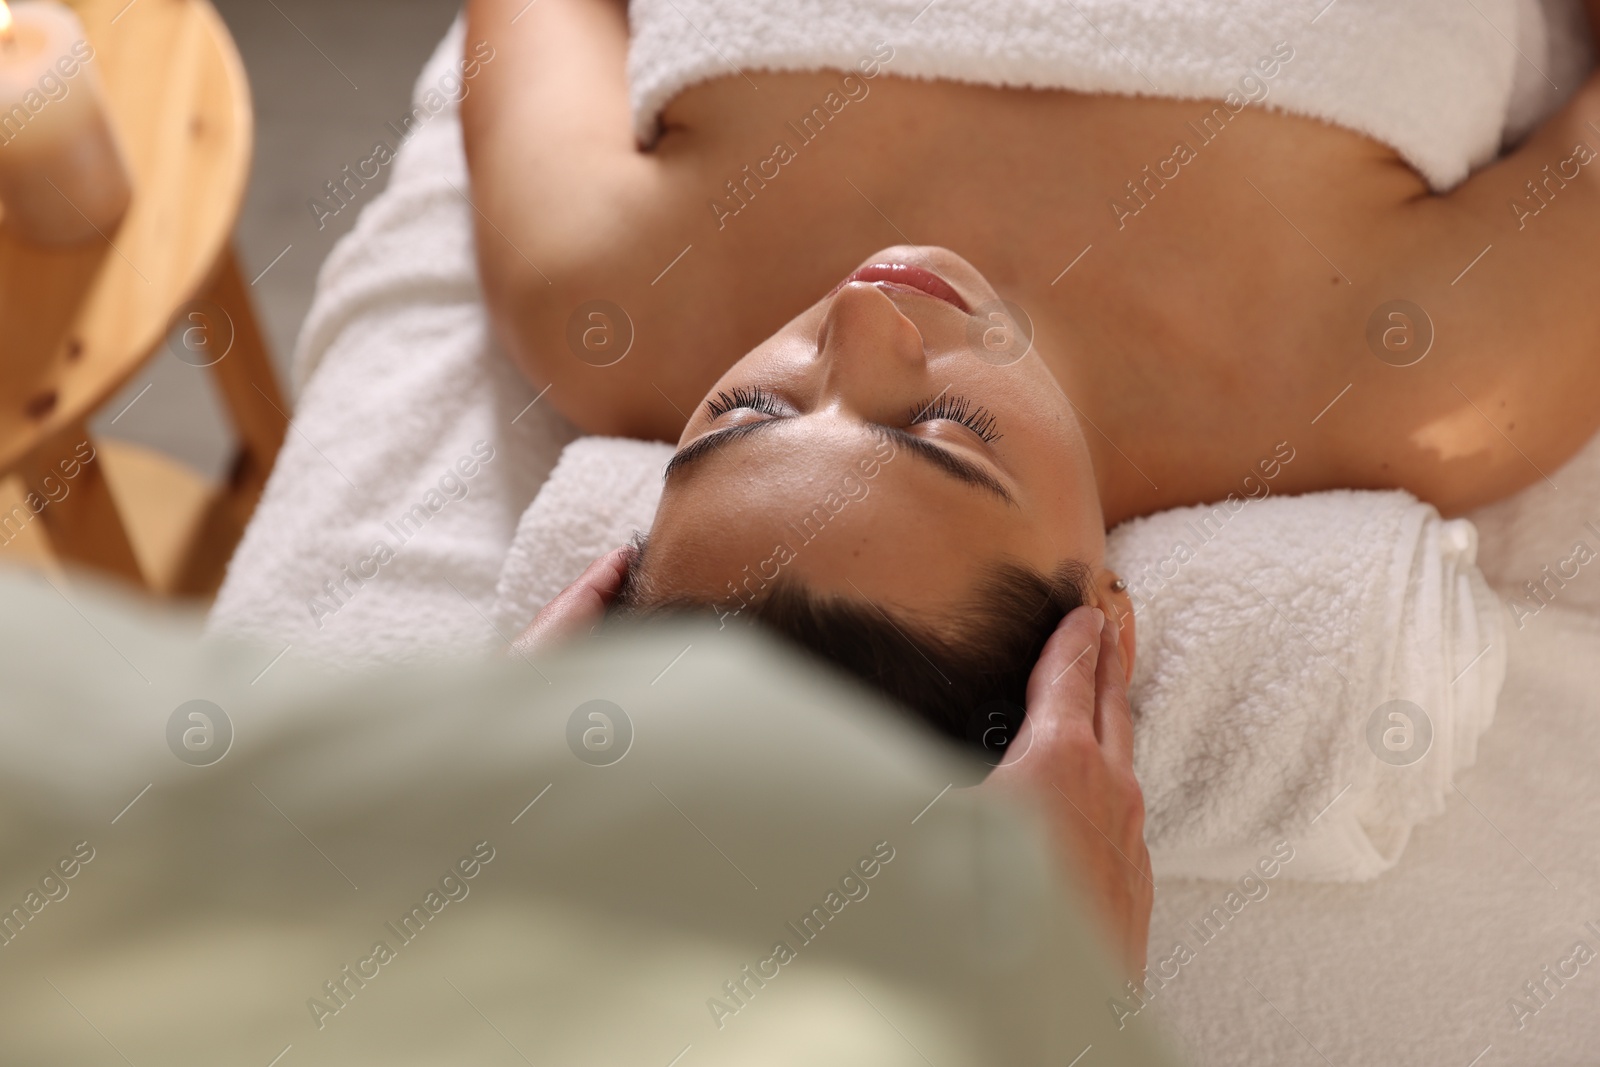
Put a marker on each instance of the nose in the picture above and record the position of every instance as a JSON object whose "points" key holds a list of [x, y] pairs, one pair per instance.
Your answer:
{"points": [[869, 349]]}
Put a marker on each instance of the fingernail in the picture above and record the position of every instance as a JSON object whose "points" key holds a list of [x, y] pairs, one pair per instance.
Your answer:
{"points": [[1100, 620]]}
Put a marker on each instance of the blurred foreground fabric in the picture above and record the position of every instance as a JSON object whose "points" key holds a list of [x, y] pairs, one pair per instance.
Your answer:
{"points": [[670, 847]]}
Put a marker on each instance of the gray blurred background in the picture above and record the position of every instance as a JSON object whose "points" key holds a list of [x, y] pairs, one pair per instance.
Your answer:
{"points": [[325, 75]]}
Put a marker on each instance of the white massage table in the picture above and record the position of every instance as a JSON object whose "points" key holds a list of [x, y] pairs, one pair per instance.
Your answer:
{"points": [[399, 379]]}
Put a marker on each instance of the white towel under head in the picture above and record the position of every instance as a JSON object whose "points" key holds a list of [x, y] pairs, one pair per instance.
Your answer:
{"points": [[1266, 668], [1262, 658], [602, 490]]}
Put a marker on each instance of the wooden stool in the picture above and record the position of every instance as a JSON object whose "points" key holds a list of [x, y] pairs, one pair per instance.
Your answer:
{"points": [[76, 324]]}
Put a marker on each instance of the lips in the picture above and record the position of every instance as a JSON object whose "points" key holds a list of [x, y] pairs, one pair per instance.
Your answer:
{"points": [[906, 276]]}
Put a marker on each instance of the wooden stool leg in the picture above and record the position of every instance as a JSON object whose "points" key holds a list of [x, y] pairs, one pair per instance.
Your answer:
{"points": [[259, 413], [248, 383], [66, 479]]}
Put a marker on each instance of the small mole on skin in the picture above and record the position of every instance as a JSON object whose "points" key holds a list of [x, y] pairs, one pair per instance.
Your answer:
{"points": [[74, 348], [1513, 426], [41, 404]]}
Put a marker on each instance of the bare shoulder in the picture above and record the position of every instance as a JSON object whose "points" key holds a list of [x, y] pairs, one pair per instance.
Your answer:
{"points": [[1478, 371], [564, 202]]}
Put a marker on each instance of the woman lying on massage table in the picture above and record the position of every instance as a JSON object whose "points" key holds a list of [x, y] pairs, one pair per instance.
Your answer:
{"points": [[914, 479]]}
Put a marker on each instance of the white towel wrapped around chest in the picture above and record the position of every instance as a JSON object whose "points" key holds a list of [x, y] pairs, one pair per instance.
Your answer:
{"points": [[1443, 83], [1271, 633]]}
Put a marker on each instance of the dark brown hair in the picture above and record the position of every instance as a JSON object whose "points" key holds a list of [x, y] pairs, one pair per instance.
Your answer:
{"points": [[967, 678]]}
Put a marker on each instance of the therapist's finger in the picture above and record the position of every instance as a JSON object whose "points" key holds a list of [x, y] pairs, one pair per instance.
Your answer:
{"points": [[580, 605], [1060, 694], [1112, 712], [1078, 772], [1063, 680]]}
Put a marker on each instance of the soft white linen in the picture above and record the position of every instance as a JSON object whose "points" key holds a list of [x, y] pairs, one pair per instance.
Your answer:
{"points": [[400, 379], [1421, 966], [1535, 544], [602, 491], [1441, 82], [1265, 657]]}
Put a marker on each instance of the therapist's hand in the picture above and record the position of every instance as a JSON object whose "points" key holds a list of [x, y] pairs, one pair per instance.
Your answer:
{"points": [[580, 606], [1074, 758]]}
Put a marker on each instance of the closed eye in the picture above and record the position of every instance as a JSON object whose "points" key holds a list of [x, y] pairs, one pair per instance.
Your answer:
{"points": [[952, 464], [956, 409], [755, 399]]}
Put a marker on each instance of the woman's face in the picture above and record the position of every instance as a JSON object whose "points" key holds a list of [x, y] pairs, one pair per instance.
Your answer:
{"points": [[882, 448]]}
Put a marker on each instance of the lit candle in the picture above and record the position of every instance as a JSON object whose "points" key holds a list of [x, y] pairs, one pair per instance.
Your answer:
{"points": [[62, 175]]}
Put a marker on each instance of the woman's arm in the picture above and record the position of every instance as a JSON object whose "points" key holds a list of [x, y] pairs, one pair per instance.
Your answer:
{"points": [[547, 131], [1507, 267], [558, 186]]}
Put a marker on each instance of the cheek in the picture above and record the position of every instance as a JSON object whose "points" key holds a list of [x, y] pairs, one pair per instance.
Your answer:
{"points": [[1054, 464], [1043, 426]]}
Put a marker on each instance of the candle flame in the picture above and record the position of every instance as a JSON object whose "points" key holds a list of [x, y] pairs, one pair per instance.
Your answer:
{"points": [[5, 19]]}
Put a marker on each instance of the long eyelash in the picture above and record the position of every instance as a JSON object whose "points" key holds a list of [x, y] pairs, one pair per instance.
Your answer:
{"points": [[957, 409], [756, 399]]}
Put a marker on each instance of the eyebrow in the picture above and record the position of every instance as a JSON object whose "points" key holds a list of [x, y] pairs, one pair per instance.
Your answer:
{"points": [[957, 467]]}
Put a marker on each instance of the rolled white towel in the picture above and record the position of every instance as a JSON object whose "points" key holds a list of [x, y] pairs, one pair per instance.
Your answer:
{"points": [[601, 491], [1268, 643], [1273, 635]]}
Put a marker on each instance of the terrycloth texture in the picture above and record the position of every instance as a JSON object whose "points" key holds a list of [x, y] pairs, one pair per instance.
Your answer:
{"points": [[401, 380], [1555, 38], [1269, 635], [1439, 81], [602, 491], [1541, 548], [1422, 965]]}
